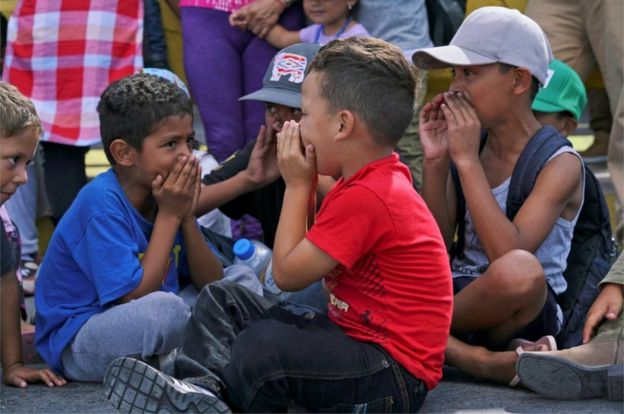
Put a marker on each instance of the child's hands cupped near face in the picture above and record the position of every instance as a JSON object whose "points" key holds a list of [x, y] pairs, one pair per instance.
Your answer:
{"points": [[297, 165], [434, 130], [464, 127], [262, 167], [177, 193]]}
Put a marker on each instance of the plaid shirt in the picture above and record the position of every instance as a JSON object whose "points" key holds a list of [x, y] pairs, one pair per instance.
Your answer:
{"points": [[221, 5], [63, 53]]}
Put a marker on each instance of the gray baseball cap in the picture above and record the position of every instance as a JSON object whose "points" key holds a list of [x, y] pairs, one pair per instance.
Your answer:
{"points": [[284, 76], [491, 35]]}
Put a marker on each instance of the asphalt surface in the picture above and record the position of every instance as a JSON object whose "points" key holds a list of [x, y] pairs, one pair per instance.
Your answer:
{"points": [[457, 393]]}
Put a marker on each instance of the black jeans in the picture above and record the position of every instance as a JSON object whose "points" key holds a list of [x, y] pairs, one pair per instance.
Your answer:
{"points": [[64, 175], [264, 358]]}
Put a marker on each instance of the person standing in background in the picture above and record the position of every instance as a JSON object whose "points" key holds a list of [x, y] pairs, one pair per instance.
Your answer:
{"points": [[403, 24], [223, 63], [62, 55], [584, 34]]}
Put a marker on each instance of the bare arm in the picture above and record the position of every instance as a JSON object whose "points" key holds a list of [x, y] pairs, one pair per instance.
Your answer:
{"points": [[280, 38], [203, 265], [14, 371], [297, 263], [175, 198], [261, 170], [437, 189]]}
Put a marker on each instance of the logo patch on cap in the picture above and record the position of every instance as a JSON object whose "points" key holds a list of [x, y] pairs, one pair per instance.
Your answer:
{"points": [[549, 76], [291, 65]]}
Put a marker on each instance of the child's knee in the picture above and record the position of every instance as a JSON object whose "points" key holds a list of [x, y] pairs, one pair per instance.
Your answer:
{"points": [[260, 348], [257, 360], [517, 271], [166, 313]]}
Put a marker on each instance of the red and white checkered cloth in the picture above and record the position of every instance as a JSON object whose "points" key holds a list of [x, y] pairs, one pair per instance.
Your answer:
{"points": [[63, 53], [221, 5]]}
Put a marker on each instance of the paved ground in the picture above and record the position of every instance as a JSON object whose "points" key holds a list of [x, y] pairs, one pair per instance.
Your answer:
{"points": [[455, 394]]}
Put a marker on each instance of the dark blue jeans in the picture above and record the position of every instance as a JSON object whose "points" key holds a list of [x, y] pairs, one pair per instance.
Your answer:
{"points": [[264, 358]]}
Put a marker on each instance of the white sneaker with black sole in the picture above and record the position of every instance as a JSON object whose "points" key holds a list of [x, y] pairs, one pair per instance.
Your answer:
{"points": [[133, 386]]}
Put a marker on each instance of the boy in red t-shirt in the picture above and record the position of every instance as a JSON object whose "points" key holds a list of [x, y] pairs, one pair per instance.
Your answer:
{"points": [[374, 242]]}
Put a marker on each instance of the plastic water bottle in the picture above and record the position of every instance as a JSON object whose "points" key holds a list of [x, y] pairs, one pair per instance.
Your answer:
{"points": [[269, 283], [254, 254]]}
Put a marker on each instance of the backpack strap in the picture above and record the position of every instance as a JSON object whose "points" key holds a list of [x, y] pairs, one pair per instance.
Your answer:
{"points": [[457, 248], [546, 141]]}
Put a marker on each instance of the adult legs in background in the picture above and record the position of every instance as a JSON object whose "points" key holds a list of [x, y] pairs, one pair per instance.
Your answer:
{"points": [[25, 207], [409, 146], [22, 207], [583, 34], [222, 64], [600, 122], [64, 175]]}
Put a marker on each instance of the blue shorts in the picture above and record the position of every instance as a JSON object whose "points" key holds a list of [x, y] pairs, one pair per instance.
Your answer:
{"points": [[545, 323]]}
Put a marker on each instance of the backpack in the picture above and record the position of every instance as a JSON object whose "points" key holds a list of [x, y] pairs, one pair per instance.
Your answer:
{"points": [[221, 246], [593, 249], [445, 17]]}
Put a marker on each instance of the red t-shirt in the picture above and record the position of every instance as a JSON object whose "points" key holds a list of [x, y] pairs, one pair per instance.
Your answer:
{"points": [[393, 284]]}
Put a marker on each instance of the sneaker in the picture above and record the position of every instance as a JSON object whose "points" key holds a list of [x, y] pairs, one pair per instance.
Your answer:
{"points": [[520, 345], [559, 378], [545, 343], [133, 386], [29, 271]]}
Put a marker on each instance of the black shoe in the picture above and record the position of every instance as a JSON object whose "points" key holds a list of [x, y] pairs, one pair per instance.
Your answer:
{"points": [[133, 386], [559, 378]]}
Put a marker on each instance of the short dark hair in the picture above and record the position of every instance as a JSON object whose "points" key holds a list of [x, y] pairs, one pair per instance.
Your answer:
{"points": [[373, 79], [16, 112], [133, 107], [504, 68]]}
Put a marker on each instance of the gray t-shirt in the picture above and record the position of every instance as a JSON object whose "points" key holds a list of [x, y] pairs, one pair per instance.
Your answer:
{"points": [[403, 23]]}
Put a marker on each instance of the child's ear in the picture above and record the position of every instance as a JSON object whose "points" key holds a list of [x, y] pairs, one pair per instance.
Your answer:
{"points": [[569, 126], [123, 153], [522, 81], [347, 123]]}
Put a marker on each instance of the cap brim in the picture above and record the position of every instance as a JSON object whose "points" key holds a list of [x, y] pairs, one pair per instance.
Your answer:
{"points": [[543, 106], [275, 95], [445, 56]]}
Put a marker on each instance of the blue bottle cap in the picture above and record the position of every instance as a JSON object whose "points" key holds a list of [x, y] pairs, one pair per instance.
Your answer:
{"points": [[244, 249]]}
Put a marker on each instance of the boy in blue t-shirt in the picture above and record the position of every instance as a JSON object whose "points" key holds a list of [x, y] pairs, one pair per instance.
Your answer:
{"points": [[107, 285]]}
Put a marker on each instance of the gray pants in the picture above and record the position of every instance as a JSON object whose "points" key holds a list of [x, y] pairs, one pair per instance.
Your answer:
{"points": [[151, 325]]}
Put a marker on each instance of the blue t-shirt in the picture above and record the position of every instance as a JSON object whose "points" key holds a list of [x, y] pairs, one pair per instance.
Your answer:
{"points": [[93, 260]]}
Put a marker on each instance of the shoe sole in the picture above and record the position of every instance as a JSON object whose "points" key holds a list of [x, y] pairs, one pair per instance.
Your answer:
{"points": [[561, 379], [133, 386]]}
